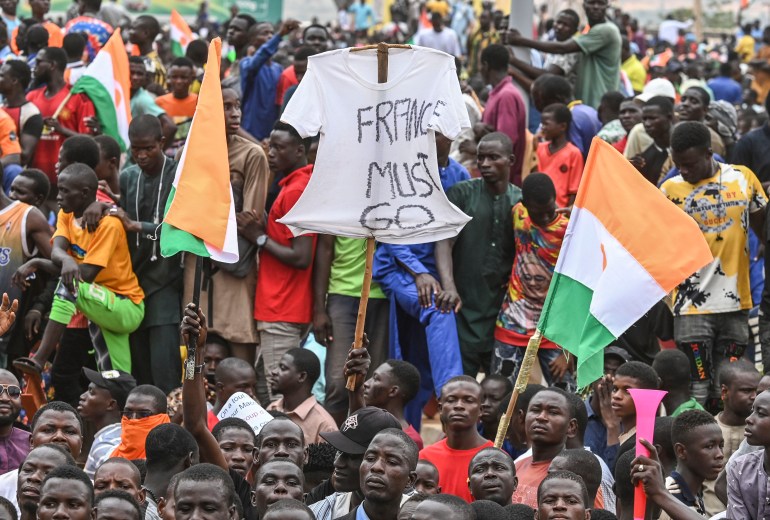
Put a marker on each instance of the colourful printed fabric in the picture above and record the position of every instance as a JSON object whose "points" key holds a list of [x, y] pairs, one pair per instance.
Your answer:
{"points": [[721, 206], [537, 249]]}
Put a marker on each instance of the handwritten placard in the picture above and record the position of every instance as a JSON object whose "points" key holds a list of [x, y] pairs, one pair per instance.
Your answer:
{"points": [[244, 407], [376, 172]]}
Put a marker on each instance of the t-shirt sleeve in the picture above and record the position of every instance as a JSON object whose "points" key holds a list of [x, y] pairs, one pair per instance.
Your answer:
{"points": [[33, 126], [63, 225], [449, 115], [758, 198], [105, 241], [305, 108], [595, 39], [9, 141]]}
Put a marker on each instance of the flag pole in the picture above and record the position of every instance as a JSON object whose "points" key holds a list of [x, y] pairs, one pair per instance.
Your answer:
{"points": [[358, 341], [192, 341], [530, 355]]}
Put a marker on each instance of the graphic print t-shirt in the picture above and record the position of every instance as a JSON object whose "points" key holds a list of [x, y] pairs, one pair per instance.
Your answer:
{"points": [[376, 172], [721, 206]]}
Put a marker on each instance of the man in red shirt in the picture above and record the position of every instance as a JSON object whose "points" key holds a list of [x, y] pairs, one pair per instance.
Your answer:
{"points": [[74, 118], [548, 423], [460, 410], [284, 301]]}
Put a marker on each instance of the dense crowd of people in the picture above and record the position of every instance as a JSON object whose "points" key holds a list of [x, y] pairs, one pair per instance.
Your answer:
{"points": [[96, 420]]}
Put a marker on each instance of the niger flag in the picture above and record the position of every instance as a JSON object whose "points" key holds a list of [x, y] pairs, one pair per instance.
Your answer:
{"points": [[626, 247], [200, 214]]}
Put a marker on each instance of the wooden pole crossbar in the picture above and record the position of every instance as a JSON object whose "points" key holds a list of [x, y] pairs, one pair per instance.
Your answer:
{"points": [[382, 77]]}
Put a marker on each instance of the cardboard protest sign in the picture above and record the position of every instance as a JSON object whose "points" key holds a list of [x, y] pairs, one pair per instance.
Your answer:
{"points": [[244, 407], [376, 173]]}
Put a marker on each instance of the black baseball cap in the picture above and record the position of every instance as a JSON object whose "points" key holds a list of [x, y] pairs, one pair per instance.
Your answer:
{"points": [[359, 429], [118, 383], [617, 351]]}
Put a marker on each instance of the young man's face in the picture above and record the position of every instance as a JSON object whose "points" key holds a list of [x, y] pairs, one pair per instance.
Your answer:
{"points": [[275, 482], [239, 379], [64, 499], [377, 388], [71, 196], [492, 476], [758, 423], [564, 27], [9, 6], [179, 81], [656, 123], [95, 402], [213, 354], [36, 466], [232, 106], [739, 395], [691, 107], [140, 406], [551, 128], [281, 439], [385, 471], [547, 422], [237, 447], [493, 393], [703, 453], [6, 80], [561, 499], [23, 189], [137, 33], [695, 164], [118, 476], [541, 214], [622, 403], [284, 152], [427, 479], [202, 501], [260, 33], [317, 39], [43, 68], [460, 405], [106, 166], [284, 376], [346, 472], [138, 75], [493, 160], [236, 32], [147, 152]]}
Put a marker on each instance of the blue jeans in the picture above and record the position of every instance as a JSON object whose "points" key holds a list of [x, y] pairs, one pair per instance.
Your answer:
{"points": [[506, 360], [427, 338], [709, 339]]}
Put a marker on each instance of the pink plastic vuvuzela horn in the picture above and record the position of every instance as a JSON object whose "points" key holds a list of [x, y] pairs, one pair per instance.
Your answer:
{"points": [[647, 403]]}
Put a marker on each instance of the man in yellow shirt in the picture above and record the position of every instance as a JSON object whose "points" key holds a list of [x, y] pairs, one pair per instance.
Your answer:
{"points": [[633, 68], [746, 44], [96, 277]]}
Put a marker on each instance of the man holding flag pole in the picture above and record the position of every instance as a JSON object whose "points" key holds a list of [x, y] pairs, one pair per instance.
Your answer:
{"points": [[202, 180]]}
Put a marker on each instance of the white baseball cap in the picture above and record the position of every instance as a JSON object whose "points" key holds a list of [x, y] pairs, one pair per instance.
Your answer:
{"points": [[657, 87]]}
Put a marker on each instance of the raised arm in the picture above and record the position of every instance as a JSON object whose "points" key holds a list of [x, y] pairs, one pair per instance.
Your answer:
{"points": [[194, 394]]}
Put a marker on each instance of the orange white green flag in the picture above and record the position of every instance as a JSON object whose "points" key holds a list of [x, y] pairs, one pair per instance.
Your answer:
{"points": [[200, 213], [181, 34], [106, 82], [626, 247]]}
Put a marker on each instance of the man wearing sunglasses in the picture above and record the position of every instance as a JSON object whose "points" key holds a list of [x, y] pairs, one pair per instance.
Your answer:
{"points": [[146, 407], [14, 442]]}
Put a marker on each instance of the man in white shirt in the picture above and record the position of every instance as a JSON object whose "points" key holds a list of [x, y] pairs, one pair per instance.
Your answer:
{"points": [[439, 37], [102, 405]]}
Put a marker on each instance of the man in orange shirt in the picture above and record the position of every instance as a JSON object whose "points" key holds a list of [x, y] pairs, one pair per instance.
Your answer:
{"points": [[180, 104], [96, 277], [39, 10]]}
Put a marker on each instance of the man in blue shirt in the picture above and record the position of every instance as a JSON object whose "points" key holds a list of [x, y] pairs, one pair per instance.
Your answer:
{"points": [[724, 87], [419, 332], [363, 17], [259, 79]]}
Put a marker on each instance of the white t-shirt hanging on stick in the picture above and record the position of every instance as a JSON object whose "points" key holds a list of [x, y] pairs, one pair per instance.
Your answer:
{"points": [[376, 173]]}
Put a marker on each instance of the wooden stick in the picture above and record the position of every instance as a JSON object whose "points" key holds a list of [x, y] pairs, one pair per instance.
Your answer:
{"points": [[362, 304], [382, 77], [192, 341], [521, 384], [61, 107]]}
